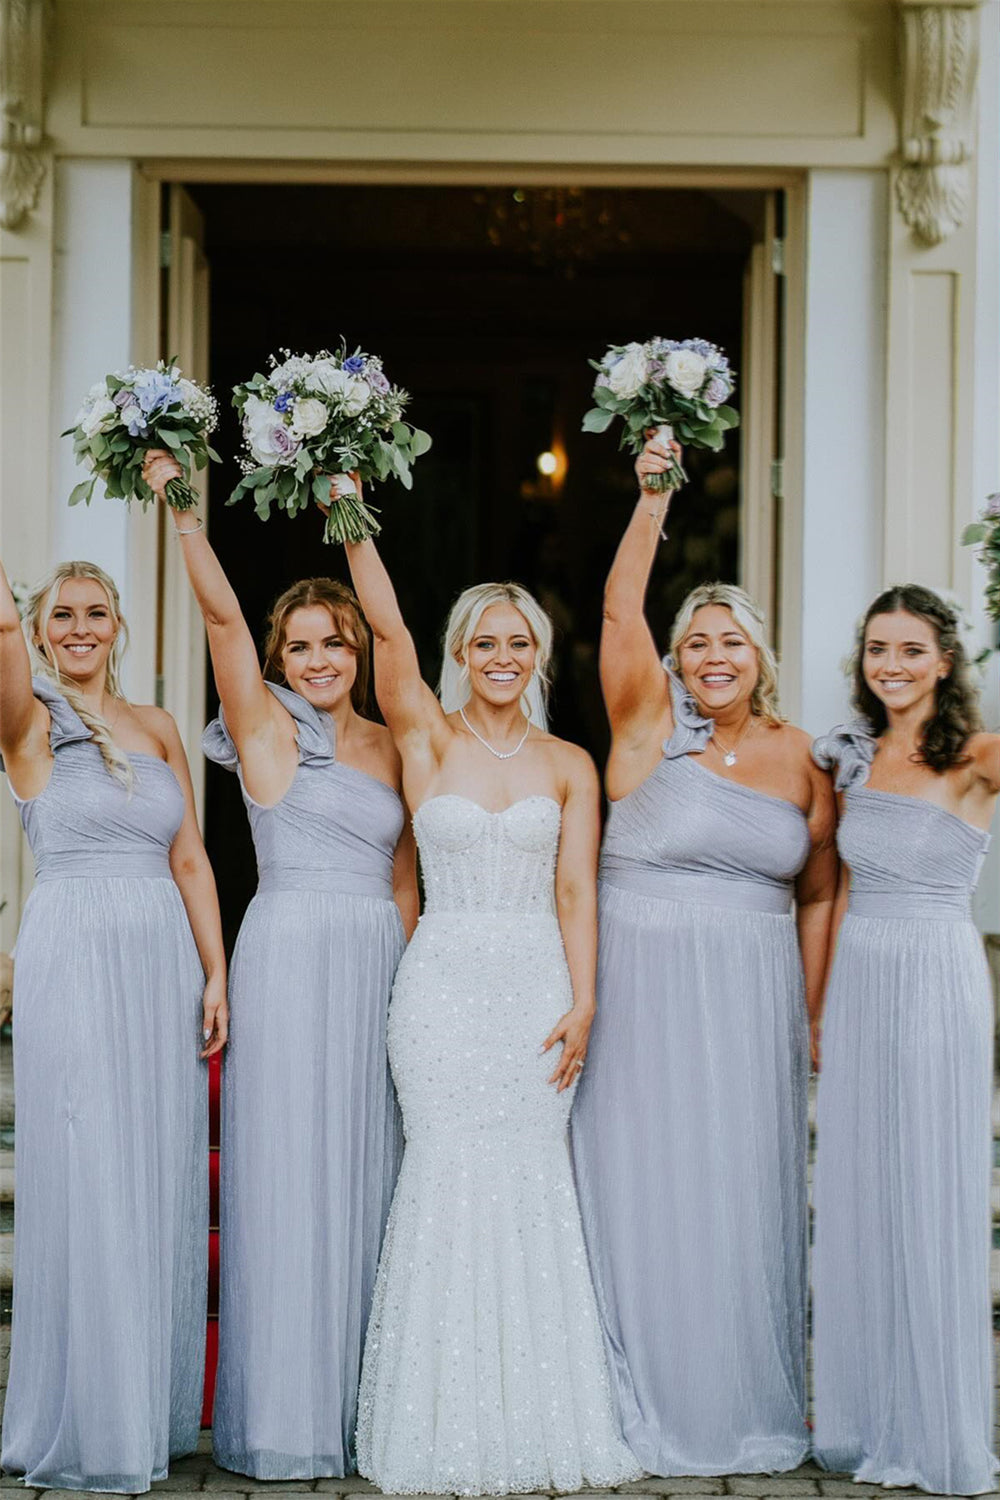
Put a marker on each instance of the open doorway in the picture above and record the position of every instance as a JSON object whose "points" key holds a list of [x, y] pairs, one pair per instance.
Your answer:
{"points": [[486, 304]]}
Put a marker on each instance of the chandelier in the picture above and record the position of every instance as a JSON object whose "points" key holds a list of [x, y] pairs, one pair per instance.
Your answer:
{"points": [[553, 226]]}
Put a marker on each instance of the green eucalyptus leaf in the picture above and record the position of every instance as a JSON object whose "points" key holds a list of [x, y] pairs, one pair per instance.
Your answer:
{"points": [[597, 420]]}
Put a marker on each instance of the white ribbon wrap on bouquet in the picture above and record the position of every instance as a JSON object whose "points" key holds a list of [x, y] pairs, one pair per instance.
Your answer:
{"points": [[342, 486]]}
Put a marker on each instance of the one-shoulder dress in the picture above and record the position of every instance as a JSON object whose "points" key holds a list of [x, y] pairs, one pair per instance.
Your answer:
{"points": [[311, 1138], [111, 1145], [484, 1371], [901, 1294], [690, 1131]]}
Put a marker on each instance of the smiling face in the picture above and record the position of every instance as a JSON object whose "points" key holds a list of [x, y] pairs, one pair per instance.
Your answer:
{"points": [[317, 659], [80, 631], [903, 662], [501, 655], [717, 660]]}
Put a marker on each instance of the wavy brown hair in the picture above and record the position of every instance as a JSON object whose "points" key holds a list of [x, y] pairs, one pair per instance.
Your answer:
{"points": [[348, 621], [956, 700]]}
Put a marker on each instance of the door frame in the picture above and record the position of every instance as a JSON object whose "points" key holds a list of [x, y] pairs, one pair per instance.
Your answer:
{"points": [[773, 352]]}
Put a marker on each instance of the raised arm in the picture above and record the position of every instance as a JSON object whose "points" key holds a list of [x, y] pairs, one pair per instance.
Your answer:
{"points": [[635, 687], [576, 906], [411, 710], [249, 708], [23, 720]]}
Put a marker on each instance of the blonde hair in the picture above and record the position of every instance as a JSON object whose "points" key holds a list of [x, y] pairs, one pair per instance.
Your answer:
{"points": [[750, 619], [348, 620], [463, 622], [37, 612]]}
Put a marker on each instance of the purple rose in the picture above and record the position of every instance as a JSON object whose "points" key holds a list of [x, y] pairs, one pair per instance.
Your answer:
{"points": [[354, 365], [717, 391], [377, 381], [993, 505]]}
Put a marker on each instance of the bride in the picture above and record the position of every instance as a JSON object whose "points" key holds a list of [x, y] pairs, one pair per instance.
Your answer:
{"points": [[484, 1370]]}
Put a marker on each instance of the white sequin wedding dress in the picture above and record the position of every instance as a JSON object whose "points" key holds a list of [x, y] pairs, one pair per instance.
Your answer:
{"points": [[484, 1371]]}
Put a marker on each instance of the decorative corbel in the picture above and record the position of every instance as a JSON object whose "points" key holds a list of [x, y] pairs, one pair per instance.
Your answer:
{"points": [[940, 47], [24, 26]]}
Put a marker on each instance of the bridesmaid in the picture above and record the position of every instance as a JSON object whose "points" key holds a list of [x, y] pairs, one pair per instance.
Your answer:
{"points": [[311, 1140], [120, 969], [901, 1312], [690, 1129]]}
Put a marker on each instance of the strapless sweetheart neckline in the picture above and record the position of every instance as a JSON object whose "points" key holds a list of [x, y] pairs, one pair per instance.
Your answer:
{"points": [[489, 812]]}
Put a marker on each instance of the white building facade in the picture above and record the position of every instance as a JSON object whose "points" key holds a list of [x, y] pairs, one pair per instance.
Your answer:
{"points": [[876, 122]]}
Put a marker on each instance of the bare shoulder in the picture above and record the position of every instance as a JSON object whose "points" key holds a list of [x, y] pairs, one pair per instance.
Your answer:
{"points": [[575, 766], [985, 752], [157, 722]]}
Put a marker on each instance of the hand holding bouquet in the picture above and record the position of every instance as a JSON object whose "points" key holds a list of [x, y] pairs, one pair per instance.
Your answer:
{"points": [[126, 414], [681, 387], [317, 417]]}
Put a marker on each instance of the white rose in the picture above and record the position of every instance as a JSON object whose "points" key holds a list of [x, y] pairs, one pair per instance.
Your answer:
{"points": [[92, 418], [257, 415], [327, 378], [189, 392], [269, 440], [685, 370], [309, 417], [629, 373], [356, 395], [133, 415]]}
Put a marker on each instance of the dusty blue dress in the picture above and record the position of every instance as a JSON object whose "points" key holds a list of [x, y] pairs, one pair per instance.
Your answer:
{"points": [[901, 1294], [111, 1153], [311, 1139], [690, 1128]]}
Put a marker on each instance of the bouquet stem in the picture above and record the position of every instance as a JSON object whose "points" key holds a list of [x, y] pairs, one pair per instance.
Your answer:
{"points": [[350, 519], [180, 495]]}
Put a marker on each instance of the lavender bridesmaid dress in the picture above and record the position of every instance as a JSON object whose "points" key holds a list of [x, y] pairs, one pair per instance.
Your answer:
{"points": [[111, 1154], [311, 1139], [901, 1293], [690, 1129]]}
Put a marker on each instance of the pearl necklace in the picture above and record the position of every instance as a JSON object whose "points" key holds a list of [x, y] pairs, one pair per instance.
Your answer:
{"points": [[500, 754]]}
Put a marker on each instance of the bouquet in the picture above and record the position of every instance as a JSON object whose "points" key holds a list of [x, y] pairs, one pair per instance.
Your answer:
{"points": [[986, 532], [680, 388], [126, 414], [312, 420]]}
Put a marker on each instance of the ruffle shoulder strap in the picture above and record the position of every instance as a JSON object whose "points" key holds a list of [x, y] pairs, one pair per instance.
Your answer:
{"points": [[848, 750], [66, 726], [315, 734], [692, 731]]}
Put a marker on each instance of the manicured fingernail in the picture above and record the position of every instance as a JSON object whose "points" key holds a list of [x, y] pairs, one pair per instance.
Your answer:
{"points": [[206, 1035]]}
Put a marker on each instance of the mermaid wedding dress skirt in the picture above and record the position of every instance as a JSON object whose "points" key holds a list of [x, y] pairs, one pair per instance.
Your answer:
{"points": [[484, 1371]]}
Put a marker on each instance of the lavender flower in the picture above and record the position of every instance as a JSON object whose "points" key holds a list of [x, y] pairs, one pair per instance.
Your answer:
{"points": [[993, 505], [716, 391]]}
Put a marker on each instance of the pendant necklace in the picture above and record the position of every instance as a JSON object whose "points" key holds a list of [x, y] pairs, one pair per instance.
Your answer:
{"points": [[500, 754], [729, 756]]}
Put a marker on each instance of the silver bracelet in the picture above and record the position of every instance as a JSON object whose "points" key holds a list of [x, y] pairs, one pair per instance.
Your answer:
{"points": [[659, 519], [189, 530]]}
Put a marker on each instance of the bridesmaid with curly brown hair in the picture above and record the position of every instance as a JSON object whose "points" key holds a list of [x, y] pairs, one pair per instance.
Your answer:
{"points": [[901, 1313]]}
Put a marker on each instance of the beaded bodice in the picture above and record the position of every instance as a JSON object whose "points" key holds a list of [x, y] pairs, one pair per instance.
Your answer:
{"points": [[475, 860]]}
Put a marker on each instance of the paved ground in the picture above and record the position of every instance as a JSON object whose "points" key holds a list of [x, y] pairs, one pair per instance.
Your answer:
{"points": [[198, 1474]]}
